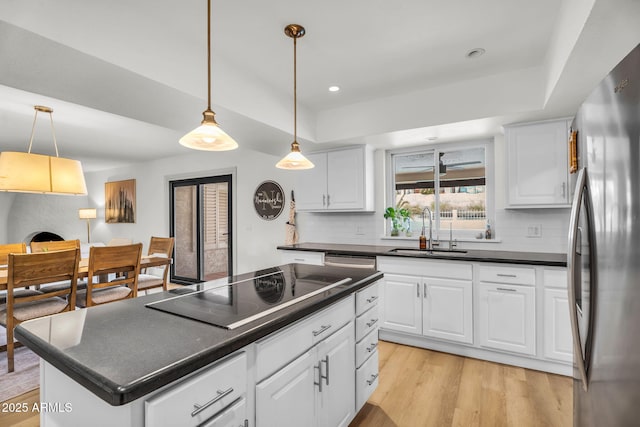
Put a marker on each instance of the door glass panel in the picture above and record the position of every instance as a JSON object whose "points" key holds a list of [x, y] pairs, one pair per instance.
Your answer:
{"points": [[185, 229], [215, 198]]}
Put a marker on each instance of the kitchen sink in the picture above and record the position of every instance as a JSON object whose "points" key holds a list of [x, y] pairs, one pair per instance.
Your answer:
{"points": [[436, 251]]}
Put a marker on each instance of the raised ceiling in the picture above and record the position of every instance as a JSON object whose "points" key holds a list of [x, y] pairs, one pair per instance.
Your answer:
{"points": [[127, 78]]}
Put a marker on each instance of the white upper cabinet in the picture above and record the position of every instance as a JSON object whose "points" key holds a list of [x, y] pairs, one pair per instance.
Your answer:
{"points": [[537, 164], [342, 180]]}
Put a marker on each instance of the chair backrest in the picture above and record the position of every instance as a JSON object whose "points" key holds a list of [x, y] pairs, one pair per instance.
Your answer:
{"points": [[59, 245], [123, 260], [40, 268], [11, 248], [119, 241], [161, 245]]}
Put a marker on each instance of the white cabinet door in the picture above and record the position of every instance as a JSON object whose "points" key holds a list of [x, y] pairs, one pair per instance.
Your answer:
{"points": [[287, 398], [557, 326], [345, 179], [337, 360], [537, 164], [311, 184], [507, 317], [402, 303], [447, 309]]}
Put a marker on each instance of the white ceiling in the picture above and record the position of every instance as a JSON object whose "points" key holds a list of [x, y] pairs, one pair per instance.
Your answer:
{"points": [[127, 78]]}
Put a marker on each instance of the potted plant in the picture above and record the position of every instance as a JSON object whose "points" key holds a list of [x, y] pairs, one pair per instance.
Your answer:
{"points": [[396, 220]]}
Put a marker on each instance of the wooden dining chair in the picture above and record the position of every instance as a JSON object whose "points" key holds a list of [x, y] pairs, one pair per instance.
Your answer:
{"points": [[35, 269], [162, 247], [59, 245], [124, 261], [11, 248]]}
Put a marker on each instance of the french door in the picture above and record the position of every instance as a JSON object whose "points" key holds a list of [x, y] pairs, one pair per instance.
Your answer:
{"points": [[201, 225]]}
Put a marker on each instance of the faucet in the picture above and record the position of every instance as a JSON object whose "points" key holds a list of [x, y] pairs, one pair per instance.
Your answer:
{"points": [[430, 241]]}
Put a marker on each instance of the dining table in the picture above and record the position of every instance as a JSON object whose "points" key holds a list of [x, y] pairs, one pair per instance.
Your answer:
{"points": [[83, 267]]}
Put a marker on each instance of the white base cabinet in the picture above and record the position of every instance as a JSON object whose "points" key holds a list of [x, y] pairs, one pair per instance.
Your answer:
{"points": [[512, 314]]}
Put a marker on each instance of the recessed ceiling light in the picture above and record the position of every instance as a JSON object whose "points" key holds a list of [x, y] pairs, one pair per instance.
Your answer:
{"points": [[334, 88], [475, 53], [431, 138]]}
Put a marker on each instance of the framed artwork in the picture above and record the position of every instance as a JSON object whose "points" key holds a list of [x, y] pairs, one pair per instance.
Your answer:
{"points": [[268, 200], [120, 201]]}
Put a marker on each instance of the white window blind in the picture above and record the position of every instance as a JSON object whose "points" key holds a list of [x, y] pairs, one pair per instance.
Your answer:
{"points": [[215, 216]]}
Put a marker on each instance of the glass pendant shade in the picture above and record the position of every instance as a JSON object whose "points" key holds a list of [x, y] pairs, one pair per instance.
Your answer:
{"points": [[295, 160], [208, 136]]}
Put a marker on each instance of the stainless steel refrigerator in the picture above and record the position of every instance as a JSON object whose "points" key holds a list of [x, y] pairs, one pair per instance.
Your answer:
{"points": [[604, 252]]}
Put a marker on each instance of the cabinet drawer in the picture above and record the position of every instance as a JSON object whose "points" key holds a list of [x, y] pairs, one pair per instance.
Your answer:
{"points": [[555, 278], [367, 297], [214, 389], [367, 322], [278, 349], [366, 380], [424, 267], [366, 347], [511, 275], [235, 415], [302, 257]]}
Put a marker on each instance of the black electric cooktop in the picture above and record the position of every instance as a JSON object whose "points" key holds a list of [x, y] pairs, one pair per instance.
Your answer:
{"points": [[250, 298]]}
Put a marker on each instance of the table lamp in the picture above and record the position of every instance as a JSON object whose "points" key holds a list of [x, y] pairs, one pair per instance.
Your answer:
{"points": [[88, 214]]}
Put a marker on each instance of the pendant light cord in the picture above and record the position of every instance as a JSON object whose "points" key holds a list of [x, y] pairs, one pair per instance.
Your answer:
{"points": [[208, 54], [53, 132], [295, 93]]}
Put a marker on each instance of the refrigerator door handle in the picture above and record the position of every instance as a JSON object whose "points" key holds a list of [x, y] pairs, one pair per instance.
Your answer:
{"points": [[572, 275]]}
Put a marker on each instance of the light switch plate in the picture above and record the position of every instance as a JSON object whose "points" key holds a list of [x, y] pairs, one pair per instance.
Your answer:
{"points": [[534, 230]]}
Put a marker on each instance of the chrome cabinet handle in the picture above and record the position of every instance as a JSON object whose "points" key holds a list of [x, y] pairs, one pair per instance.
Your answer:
{"points": [[319, 383], [373, 347], [321, 330], [418, 289], [221, 394], [506, 275], [245, 424], [326, 363], [324, 200], [373, 322], [328, 199], [424, 291], [507, 289], [298, 259], [372, 299], [372, 380], [564, 190]]}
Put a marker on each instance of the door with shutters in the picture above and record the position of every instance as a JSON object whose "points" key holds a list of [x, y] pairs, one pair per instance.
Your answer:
{"points": [[201, 226]]}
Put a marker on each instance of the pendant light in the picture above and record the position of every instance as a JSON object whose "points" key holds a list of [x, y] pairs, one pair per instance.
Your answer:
{"points": [[295, 160], [208, 136], [36, 173]]}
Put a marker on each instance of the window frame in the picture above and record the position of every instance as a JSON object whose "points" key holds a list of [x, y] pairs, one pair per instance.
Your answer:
{"points": [[438, 234]]}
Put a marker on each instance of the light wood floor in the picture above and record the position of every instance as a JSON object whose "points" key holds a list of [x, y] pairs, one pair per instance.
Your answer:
{"points": [[420, 387], [425, 388]]}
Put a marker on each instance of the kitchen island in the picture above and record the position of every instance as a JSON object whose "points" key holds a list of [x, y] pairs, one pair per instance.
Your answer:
{"points": [[117, 364]]}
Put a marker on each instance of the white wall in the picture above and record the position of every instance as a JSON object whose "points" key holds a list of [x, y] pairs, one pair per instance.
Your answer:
{"points": [[255, 239], [510, 225]]}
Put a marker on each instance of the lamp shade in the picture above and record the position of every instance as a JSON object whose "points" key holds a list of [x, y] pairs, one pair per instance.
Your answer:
{"points": [[87, 213], [37, 173], [295, 160], [208, 137]]}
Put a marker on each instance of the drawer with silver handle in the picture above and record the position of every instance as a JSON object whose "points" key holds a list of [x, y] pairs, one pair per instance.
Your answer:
{"points": [[194, 400], [366, 347], [508, 274], [366, 380], [367, 298], [367, 322]]}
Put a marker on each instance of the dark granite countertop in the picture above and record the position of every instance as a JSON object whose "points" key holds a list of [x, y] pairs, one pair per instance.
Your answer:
{"points": [[122, 351], [510, 257]]}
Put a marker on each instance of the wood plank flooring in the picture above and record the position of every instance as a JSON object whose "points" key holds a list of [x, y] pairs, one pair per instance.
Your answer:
{"points": [[426, 388]]}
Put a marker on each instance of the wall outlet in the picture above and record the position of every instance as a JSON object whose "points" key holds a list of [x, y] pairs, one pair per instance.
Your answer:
{"points": [[534, 230], [359, 230]]}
